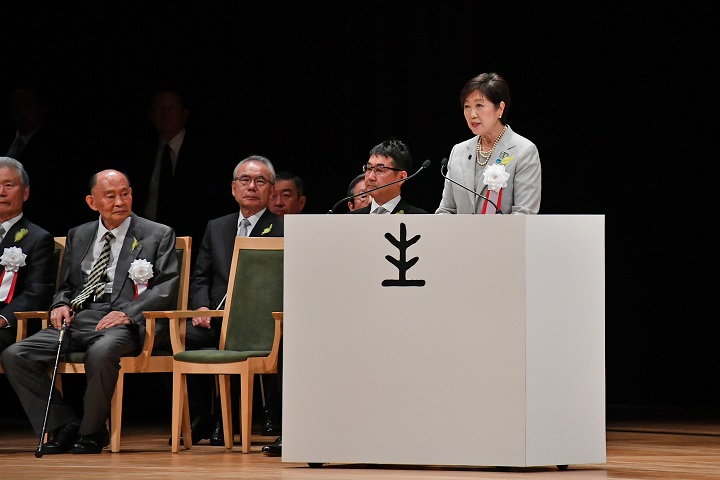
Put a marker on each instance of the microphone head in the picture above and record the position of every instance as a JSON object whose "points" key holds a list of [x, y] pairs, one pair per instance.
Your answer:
{"points": [[426, 164], [443, 163]]}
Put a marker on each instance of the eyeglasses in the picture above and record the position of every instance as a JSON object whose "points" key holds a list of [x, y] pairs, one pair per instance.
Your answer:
{"points": [[378, 169], [245, 181]]}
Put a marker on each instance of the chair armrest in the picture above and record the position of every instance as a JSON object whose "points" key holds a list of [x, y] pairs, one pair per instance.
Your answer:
{"points": [[177, 322], [23, 319], [273, 357]]}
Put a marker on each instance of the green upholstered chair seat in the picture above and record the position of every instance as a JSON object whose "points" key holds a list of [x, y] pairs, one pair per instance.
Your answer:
{"points": [[218, 356], [79, 357], [76, 357]]}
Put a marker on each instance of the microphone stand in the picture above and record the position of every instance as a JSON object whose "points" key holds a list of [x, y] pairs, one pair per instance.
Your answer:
{"points": [[443, 165], [425, 164]]}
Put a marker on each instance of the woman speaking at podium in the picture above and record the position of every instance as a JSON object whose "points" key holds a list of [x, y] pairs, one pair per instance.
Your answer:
{"points": [[497, 168]]}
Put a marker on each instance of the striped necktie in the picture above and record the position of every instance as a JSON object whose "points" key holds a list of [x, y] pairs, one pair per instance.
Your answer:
{"points": [[95, 283], [380, 210]]}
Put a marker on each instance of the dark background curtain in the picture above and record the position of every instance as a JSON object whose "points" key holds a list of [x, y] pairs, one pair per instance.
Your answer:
{"points": [[620, 102]]}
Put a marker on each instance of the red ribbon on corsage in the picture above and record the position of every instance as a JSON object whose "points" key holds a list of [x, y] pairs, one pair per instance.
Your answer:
{"points": [[495, 197], [8, 279], [139, 288]]}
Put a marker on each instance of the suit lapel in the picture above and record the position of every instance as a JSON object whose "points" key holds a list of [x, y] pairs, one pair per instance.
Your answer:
{"points": [[265, 221], [84, 239], [127, 256], [504, 145], [468, 169], [228, 234], [9, 238]]}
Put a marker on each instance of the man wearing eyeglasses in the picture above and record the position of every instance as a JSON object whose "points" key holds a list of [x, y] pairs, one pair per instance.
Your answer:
{"points": [[389, 162], [252, 186]]}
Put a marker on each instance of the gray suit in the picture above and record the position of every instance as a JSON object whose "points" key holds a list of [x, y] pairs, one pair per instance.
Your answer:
{"points": [[26, 363], [522, 194]]}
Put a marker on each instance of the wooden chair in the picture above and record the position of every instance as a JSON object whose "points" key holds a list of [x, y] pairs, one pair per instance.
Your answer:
{"points": [[149, 360], [24, 318], [249, 339]]}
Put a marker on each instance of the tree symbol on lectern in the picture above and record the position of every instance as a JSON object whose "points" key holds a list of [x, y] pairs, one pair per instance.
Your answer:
{"points": [[402, 264]]}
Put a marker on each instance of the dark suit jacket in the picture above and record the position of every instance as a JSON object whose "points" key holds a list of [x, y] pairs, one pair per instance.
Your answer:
{"points": [[402, 207], [200, 185], [210, 277], [35, 282], [45, 158], [155, 243]]}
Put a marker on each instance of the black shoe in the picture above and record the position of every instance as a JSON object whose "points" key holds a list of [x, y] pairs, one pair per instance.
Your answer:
{"points": [[274, 449], [270, 426], [63, 439], [92, 442], [201, 427], [216, 437]]}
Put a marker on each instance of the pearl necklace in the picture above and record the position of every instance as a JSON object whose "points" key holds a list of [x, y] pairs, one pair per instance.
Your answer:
{"points": [[486, 155]]}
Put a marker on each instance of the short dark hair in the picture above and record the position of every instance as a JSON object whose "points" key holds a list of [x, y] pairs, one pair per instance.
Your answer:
{"points": [[354, 182], [397, 150], [299, 184], [178, 90], [493, 86]]}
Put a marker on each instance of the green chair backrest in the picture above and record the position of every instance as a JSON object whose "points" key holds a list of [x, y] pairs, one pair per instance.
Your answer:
{"points": [[257, 292]]}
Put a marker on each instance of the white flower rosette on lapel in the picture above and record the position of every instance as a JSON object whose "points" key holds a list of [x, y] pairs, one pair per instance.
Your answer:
{"points": [[12, 259], [495, 177], [140, 272]]}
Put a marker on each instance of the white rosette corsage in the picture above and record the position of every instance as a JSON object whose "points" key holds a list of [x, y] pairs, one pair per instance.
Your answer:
{"points": [[140, 272], [12, 259], [495, 177]]}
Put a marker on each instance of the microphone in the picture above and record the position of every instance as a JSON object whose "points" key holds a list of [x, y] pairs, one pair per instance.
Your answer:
{"points": [[443, 165], [425, 164]]}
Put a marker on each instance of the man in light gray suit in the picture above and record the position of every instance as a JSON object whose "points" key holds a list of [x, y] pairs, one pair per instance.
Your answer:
{"points": [[112, 271]]}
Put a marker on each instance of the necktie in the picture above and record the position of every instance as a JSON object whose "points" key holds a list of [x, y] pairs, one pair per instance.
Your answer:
{"points": [[380, 210], [164, 184], [243, 228], [2, 233], [95, 284], [16, 148]]}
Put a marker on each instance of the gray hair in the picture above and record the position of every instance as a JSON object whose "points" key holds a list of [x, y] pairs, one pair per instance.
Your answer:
{"points": [[256, 158], [18, 167]]}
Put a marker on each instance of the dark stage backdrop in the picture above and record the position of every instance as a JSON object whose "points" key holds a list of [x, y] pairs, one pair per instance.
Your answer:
{"points": [[619, 103]]}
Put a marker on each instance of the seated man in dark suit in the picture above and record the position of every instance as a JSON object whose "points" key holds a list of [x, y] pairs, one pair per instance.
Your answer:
{"points": [[27, 265], [389, 161], [289, 195], [28, 284], [252, 186], [101, 299]]}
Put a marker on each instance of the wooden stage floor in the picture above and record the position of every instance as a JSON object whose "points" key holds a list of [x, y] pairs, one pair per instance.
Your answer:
{"points": [[636, 449]]}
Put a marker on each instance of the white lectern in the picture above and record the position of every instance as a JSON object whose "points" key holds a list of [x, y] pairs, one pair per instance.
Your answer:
{"points": [[444, 340]]}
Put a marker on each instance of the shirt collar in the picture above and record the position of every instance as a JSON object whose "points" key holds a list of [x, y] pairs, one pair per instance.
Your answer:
{"points": [[389, 205]]}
